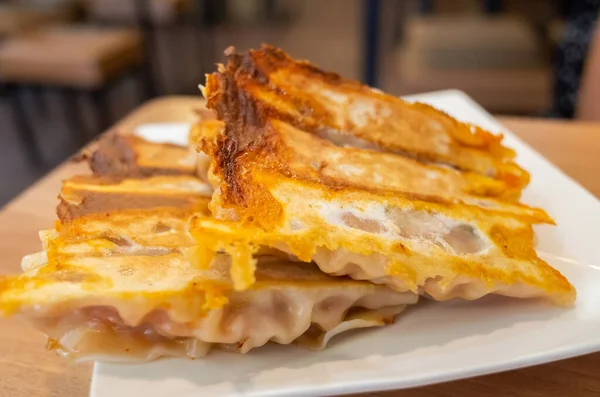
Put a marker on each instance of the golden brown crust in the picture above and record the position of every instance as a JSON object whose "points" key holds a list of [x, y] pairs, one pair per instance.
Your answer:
{"points": [[269, 84], [284, 185], [406, 241], [129, 156], [254, 137], [83, 195], [288, 151]]}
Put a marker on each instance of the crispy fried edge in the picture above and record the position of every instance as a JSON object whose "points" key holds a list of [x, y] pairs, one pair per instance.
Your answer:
{"points": [[252, 69]]}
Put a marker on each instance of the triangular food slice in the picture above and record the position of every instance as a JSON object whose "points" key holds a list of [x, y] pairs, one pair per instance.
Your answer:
{"points": [[141, 307], [117, 285], [351, 114], [82, 195], [415, 235], [133, 231], [130, 156], [442, 250], [308, 157]]}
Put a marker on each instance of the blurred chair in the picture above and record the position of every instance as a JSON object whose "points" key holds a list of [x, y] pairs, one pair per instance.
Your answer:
{"points": [[27, 15], [372, 21], [20, 17], [588, 103], [575, 80], [72, 60], [497, 60], [450, 7], [146, 15], [158, 12]]}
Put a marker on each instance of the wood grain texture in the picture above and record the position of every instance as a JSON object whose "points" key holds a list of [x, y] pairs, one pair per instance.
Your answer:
{"points": [[28, 370]]}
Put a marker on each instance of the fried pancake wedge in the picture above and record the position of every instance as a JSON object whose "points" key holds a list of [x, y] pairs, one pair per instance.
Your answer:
{"points": [[85, 194], [132, 231], [130, 156], [141, 307], [442, 250], [304, 156], [117, 285], [418, 228], [351, 114]]}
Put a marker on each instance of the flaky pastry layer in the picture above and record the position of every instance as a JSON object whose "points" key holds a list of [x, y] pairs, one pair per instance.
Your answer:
{"points": [[130, 156], [283, 181], [349, 113], [409, 245], [83, 195], [141, 307]]}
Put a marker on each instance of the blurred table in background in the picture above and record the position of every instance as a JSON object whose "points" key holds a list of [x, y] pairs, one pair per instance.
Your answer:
{"points": [[496, 60], [72, 60], [157, 20], [158, 12], [22, 17], [29, 370]]}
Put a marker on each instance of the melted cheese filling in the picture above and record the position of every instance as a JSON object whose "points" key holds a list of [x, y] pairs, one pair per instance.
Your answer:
{"points": [[308, 316], [375, 267], [444, 252]]}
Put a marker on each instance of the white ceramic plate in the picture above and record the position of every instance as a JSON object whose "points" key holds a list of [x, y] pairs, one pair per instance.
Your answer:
{"points": [[432, 342]]}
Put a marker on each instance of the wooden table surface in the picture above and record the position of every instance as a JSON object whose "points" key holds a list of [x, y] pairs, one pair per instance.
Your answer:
{"points": [[28, 370]]}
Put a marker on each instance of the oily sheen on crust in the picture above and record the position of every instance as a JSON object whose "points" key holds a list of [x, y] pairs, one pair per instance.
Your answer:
{"points": [[404, 244], [349, 113], [307, 157], [114, 283], [445, 245], [95, 302]]}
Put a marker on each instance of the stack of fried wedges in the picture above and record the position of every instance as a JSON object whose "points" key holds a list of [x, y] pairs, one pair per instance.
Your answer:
{"points": [[313, 206]]}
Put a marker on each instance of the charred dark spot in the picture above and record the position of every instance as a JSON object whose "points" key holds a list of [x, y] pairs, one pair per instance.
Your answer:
{"points": [[114, 156], [161, 227], [368, 225], [118, 240]]}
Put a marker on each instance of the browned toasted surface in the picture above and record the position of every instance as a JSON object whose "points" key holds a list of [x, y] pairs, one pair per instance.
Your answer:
{"points": [[252, 135], [304, 156], [282, 182], [131, 173], [82, 195], [114, 280], [349, 113], [29, 371], [129, 156]]}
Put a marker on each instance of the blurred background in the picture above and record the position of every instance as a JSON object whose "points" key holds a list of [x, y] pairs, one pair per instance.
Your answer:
{"points": [[70, 68]]}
